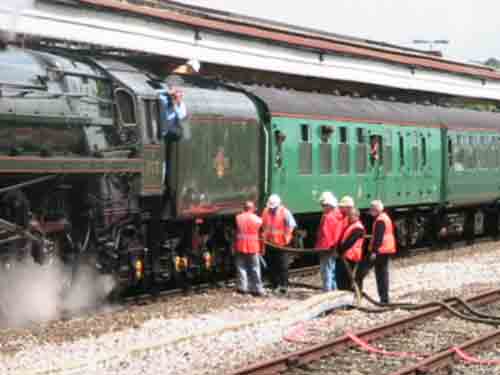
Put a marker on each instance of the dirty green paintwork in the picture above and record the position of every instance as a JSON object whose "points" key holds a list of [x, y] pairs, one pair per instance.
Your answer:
{"points": [[409, 182]]}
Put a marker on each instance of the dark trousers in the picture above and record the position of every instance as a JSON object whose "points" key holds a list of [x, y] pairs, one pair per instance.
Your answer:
{"points": [[341, 275], [343, 278], [277, 264], [382, 277]]}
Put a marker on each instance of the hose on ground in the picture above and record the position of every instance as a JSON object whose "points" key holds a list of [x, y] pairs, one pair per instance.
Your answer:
{"points": [[473, 316]]}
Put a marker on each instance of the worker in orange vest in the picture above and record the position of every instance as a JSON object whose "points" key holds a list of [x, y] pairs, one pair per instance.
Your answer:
{"points": [[382, 246], [351, 246], [278, 226], [346, 206], [247, 251], [329, 233]]}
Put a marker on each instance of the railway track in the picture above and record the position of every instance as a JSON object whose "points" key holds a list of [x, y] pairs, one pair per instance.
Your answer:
{"points": [[147, 297], [336, 348]]}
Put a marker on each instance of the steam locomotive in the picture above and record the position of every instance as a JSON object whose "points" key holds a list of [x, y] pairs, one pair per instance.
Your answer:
{"points": [[88, 177]]}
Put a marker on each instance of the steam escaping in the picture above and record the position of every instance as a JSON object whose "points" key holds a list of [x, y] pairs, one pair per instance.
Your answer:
{"points": [[31, 293]]}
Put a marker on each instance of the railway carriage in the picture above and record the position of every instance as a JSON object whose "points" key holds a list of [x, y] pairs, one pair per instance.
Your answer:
{"points": [[435, 168]]}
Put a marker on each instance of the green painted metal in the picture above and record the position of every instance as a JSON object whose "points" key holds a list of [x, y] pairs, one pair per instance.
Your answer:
{"points": [[409, 175], [472, 167], [41, 165], [152, 178]]}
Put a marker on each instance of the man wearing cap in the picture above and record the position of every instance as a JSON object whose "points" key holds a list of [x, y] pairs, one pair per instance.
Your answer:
{"points": [[278, 226], [327, 239], [247, 251], [172, 113], [346, 207], [190, 67], [382, 246]]}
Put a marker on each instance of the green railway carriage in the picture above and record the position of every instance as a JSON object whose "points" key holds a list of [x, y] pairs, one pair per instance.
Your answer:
{"points": [[436, 170], [472, 157], [325, 142]]}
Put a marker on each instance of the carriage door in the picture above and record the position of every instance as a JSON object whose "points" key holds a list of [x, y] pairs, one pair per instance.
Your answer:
{"points": [[416, 140], [376, 162]]}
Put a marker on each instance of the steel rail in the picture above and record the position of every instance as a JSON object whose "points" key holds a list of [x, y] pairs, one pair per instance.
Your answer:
{"points": [[145, 297], [448, 357], [337, 345]]}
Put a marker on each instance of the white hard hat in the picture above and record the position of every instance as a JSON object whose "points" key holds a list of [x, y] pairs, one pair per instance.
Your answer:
{"points": [[328, 199], [195, 64], [346, 201], [274, 201], [378, 205]]}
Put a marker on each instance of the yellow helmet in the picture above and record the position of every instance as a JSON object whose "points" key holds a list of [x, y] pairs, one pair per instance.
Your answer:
{"points": [[346, 201]]}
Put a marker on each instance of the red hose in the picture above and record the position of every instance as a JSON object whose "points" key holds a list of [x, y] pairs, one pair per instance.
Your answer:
{"points": [[473, 360], [371, 349]]}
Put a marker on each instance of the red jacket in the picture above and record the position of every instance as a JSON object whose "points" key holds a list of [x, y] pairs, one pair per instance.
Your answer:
{"points": [[247, 233], [330, 230]]}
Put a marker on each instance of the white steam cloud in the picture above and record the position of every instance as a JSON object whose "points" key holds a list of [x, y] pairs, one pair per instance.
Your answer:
{"points": [[31, 293]]}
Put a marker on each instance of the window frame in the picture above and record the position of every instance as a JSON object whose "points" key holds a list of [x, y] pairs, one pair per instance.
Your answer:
{"points": [[309, 141], [325, 141]]}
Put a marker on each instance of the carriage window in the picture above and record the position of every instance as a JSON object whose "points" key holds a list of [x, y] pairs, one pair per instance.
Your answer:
{"points": [[376, 150], [152, 113], [325, 150], [498, 151], [491, 152], [401, 150], [423, 149], [305, 133], [361, 151], [469, 152], [343, 134], [305, 150], [450, 153], [343, 157], [388, 152], [415, 153], [126, 107]]}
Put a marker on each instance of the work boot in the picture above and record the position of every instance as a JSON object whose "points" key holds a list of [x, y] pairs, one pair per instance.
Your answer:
{"points": [[261, 293]]}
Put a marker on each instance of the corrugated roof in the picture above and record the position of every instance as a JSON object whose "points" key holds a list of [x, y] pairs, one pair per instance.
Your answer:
{"points": [[321, 43]]}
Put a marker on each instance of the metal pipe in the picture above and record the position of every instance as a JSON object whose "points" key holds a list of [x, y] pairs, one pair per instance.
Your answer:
{"points": [[266, 156], [27, 183]]}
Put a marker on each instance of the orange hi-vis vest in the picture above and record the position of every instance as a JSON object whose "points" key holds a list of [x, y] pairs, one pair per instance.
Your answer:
{"points": [[274, 227], [389, 241], [247, 233], [355, 253]]}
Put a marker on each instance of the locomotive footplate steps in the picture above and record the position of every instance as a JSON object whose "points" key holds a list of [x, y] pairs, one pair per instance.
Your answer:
{"points": [[344, 342]]}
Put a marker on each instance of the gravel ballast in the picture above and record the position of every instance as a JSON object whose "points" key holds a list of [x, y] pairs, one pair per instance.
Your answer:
{"points": [[76, 346]]}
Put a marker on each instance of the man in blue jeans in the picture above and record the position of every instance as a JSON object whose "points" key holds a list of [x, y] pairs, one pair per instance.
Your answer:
{"points": [[328, 237]]}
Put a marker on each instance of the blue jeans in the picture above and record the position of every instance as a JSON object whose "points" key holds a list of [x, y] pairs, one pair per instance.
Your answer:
{"points": [[249, 276], [327, 269]]}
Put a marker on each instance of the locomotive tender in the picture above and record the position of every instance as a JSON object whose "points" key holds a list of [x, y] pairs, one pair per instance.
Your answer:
{"points": [[87, 176]]}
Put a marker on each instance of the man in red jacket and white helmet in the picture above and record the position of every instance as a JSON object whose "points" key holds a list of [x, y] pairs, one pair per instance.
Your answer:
{"points": [[248, 249], [327, 239]]}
